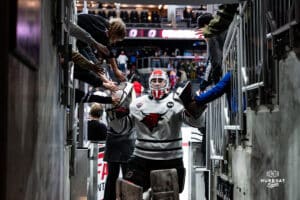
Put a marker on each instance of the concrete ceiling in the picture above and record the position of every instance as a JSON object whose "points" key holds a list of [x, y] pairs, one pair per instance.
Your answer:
{"points": [[175, 2]]}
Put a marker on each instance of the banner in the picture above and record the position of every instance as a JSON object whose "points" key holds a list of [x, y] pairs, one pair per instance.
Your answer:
{"points": [[102, 172]]}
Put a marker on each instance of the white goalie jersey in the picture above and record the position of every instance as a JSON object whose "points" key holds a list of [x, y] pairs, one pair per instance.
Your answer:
{"points": [[158, 126]]}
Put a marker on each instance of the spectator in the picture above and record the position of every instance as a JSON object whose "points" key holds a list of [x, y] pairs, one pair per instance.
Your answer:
{"points": [[165, 59], [156, 60], [85, 70], [96, 129], [104, 32], [137, 86], [182, 77], [133, 59], [200, 74], [85, 37], [90, 73], [214, 30], [120, 140], [214, 51], [173, 78], [177, 52], [170, 65], [122, 62]]}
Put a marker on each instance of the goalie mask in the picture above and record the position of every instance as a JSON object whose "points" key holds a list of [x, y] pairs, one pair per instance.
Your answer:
{"points": [[158, 84]]}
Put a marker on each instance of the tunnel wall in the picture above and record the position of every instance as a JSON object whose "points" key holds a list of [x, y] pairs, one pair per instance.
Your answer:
{"points": [[36, 159], [272, 154], [276, 138]]}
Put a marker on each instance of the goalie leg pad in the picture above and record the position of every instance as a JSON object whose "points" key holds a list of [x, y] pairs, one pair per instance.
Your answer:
{"points": [[164, 184], [126, 190]]}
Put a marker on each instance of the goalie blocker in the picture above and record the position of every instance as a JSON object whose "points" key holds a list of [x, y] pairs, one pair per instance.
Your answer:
{"points": [[185, 95]]}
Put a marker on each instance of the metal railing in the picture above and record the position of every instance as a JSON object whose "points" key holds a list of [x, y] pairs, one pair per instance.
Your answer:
{"points": [[226, 113], [214, 129], [280, 13], [255, 55]]}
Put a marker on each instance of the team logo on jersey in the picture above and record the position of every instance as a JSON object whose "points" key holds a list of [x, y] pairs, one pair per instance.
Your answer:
{"points": [[139, 105], [151, 119], [170, 104]]}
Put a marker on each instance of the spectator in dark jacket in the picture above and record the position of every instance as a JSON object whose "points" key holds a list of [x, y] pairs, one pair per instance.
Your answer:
{"points": [[215, 51], [97, 130], [104, 32], [120, 140]]}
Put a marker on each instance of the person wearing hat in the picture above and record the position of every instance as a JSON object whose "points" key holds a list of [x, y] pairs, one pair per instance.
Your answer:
{"points": [[215, 41], [215, 25]]}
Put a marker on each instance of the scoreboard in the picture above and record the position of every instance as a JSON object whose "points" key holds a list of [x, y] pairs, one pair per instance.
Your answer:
{"points": [[146, 33]]}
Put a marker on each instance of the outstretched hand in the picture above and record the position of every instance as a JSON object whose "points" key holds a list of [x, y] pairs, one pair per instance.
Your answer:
{"points": [[199, 33], [98, 69], [115, 99], [110, 86], [102, 49], [120, 75]]}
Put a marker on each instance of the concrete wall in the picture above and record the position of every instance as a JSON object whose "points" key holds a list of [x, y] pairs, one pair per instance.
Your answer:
{"points": [[241, 173], [36, 165], [272, 153], [275, 141]]}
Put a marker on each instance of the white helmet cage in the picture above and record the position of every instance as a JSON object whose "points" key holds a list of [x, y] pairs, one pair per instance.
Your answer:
{"points": [[159, 92]]}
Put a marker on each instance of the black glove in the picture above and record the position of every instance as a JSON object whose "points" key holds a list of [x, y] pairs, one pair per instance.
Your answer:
{"points": [[195, 109]]}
